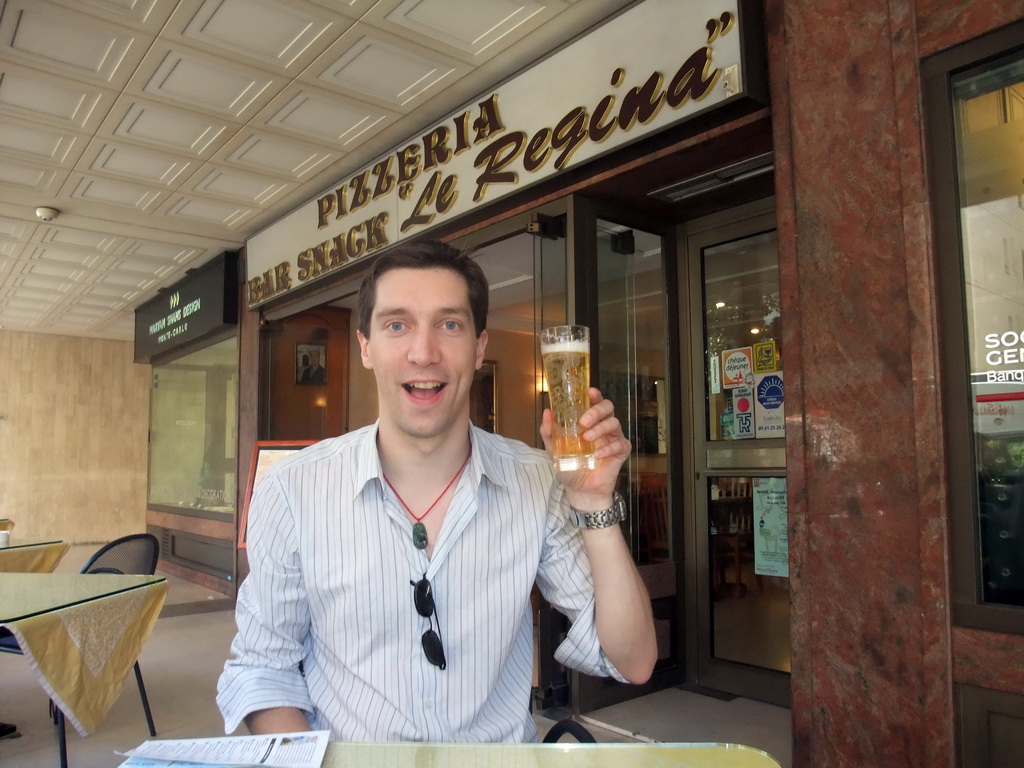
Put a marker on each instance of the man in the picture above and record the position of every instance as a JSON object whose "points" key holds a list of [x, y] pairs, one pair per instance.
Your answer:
{"points": [[389, 597]]}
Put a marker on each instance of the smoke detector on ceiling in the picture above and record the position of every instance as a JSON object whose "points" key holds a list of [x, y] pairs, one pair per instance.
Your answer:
{"points": [[44, 213]]}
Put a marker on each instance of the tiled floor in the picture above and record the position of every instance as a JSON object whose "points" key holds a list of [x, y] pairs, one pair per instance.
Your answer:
{"points": [[184, 657]]}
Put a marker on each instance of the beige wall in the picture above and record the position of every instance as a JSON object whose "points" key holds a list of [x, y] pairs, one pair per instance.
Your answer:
{"points": [[74, 420]]}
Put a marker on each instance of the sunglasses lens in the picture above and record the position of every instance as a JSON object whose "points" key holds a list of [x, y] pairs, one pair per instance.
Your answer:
{"points": [[433, 649], [424, 598]]}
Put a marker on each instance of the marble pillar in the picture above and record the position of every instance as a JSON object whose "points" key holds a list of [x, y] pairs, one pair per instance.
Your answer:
{"points": [[871, 680]]}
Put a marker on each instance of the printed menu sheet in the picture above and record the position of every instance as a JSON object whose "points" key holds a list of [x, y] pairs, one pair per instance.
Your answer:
{"points": [[304, 749]]}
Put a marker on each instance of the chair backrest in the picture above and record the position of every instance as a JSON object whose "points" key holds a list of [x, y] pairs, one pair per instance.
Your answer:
{"points": [[136, 553], [570, 726]]}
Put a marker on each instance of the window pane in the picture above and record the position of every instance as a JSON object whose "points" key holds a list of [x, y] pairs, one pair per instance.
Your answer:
{"points": [[989, 114], [748, 549], [193, 417], [743, 339]]}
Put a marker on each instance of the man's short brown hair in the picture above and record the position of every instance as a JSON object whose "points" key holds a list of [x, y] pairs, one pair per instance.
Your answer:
{"points": [[426, 254]]}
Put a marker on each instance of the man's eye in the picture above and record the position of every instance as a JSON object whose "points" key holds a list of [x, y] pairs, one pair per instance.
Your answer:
{"points": [[394, 325], [451, 325]]}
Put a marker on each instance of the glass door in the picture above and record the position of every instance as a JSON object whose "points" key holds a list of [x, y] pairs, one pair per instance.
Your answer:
{"points": [[740, 548], [621, 284], [524, 259]]}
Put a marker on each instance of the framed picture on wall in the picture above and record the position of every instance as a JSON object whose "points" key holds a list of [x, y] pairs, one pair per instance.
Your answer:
{"points": [[310, 363], [265, 454]]}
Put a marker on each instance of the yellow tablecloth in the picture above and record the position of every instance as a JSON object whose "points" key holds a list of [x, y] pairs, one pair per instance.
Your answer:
{"points": [[83, 651], [36, 558], [566, 754]]}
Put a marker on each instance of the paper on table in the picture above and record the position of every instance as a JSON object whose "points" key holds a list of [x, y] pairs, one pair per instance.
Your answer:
{"points": [[304, 749]]}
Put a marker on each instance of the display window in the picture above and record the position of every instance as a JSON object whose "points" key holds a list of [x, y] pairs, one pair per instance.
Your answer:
{"points": [[974, 99], [193, 432]]}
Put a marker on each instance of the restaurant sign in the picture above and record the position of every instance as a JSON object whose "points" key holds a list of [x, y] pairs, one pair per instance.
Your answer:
{"points": [[199, 306], [653, 66]]}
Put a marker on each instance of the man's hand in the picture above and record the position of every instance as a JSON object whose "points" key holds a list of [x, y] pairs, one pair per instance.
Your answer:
{"points": [[591, 489]]}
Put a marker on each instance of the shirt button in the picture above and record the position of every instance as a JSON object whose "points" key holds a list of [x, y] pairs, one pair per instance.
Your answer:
{"points": [[428, 704]]}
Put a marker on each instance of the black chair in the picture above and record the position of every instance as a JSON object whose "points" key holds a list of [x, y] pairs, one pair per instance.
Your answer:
{"points": [[134, 554], [571, 727]]}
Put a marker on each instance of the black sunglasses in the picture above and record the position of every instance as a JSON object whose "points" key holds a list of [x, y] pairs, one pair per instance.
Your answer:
{"points": [[423, 596]]}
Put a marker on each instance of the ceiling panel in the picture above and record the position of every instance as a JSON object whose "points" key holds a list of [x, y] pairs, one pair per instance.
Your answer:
{"points": [[58, 39], [237, 186], [384, 71], [75, 260], [136, 164], [51, 97], [28, 176], [317, 114], [147, 15], [278, 35], [199, 80], [275, 155], [53, 145], [113, 192], [211, 211], [166, 127], [471, 27]]}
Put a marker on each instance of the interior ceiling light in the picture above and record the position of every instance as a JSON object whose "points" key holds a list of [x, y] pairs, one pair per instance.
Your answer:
{"points": [[721, 177], [755, 330], [719, 304]]}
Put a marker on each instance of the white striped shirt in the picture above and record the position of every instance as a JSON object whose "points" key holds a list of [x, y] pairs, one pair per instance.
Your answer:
{"points": [[332, 559]]}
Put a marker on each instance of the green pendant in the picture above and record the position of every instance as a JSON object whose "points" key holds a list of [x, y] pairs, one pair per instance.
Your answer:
{"points": [[419, 536]]}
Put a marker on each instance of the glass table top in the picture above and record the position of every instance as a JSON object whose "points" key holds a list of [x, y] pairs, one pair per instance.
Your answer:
{"points": [[27, 594]]}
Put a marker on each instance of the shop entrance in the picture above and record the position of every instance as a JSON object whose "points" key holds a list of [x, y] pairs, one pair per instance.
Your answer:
{"points": [[738, 547]]}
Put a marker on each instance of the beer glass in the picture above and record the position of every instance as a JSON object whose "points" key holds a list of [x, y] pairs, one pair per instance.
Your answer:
{"points": [[565, 350]]}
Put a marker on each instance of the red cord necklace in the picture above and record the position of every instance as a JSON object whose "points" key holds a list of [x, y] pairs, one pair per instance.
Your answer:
{"points": [[419, 530]]}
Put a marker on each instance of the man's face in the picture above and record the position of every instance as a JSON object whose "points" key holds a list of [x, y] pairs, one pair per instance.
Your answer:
{"points": [[423, 351]]}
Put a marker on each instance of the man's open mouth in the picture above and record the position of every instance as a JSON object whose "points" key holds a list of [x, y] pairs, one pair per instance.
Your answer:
{"points": [[424, 388]]}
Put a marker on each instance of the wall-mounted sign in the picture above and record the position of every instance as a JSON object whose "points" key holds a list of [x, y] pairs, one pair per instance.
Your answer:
{"points": [[653, 66], [201, 305]]}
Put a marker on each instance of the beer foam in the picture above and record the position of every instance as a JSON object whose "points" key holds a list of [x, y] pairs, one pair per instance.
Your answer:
{"points": [[565, 346]]}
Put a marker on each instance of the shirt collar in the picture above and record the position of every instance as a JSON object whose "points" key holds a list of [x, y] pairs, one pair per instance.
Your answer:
{"points": [[368, 467], [483, 463]]}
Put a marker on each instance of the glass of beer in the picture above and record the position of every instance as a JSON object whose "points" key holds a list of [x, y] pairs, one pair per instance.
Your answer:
{"points": [[565, 350]]}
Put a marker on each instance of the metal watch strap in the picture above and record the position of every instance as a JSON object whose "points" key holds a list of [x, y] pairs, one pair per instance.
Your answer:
{"points": [[603, 518]]}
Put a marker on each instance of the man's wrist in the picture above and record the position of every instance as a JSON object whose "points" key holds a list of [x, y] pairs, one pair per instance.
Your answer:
{"points": [[612, 513], [589, 502]]}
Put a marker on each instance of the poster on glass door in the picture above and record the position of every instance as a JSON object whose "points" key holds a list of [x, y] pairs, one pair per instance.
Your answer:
{"points": [[771, 527]]}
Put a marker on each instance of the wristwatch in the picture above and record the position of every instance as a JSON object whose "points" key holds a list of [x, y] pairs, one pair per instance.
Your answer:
{"points": [[603, 518]]}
